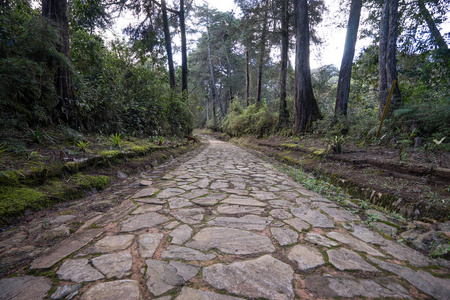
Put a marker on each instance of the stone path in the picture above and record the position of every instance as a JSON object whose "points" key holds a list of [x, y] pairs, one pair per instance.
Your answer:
{"points": [[226, 225]]}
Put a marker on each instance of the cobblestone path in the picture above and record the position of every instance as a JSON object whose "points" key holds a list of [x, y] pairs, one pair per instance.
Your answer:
{"points": [[227, 225]]}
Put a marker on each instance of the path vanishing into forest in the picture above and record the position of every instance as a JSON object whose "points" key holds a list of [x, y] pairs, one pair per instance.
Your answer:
{"points": [[228, 225]]}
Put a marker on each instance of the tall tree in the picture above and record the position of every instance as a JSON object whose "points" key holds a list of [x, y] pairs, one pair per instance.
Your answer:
{"points": [[438, 39], [345, 73], [262, 47], [387, 56], [168, 44], [184, 66], [247, 78], [306, 108], [283, 113], [57, 12]]}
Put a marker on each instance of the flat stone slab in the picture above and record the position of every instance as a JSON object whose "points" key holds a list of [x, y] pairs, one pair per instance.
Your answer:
{"points": [[147, 192], [169, 192], [118, 289], [51, 234], [305, 257], [298, 224], [349, 287], [219, 185], [404, 253], [61, 219], [181, 234], [68, 291], [280, 214], [284, 236], [319, 239], [209, 200], [110, 244], [260, 195], [155, 201], [264, 277], [114, 264], [344, 259], [65, 248], [231, 241], [339, 214], [187, 271], [146, 208], [147, 220], [354, 243], [313, 217], [437, 287], [148, 242], [195, 194], [247, 222], [177, 252], [189, 215], [190, 294], [368, 235], [161, 277], [24, 288], [78, 270], [227, 209], [177, 202], [242, 200]]}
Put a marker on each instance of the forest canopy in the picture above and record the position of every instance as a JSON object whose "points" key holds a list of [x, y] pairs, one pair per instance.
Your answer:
{"points": [[240, 73]]}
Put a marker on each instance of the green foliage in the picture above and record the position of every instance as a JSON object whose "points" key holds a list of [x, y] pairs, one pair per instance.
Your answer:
{"points": [[3, 149], [252, 120], [82, 145], [37, 134], [336, 144], [116, 140]]}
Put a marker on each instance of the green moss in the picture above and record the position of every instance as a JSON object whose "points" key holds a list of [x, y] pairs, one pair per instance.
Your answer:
{"points": [[15, 200], [289, 146], [139, 149], [89, 181], [10, 178], [110, 153]]}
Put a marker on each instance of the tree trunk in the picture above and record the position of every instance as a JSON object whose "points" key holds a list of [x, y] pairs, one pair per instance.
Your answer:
{"points": [[345, 73], [168, 44], [391, 62], [64, 110], [211, 70], [247, 79], [382, 53], [284, 114], [438, 39], [262, 47], [306, 108], [184, 67]]}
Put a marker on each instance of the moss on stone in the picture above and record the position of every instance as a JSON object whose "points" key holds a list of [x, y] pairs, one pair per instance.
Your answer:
{"points": [[15, 200]]}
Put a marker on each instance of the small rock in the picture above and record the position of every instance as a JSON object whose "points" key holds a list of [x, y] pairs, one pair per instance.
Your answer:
{"points": [[384, 228], [162, 277], [147, 220], [319, 239], [24, 288], [102, 205], [284, 236], [344, 259], [148, 242], [145, 183], [177, 252], [78, 270], [181, 234], [114, 265], [121, 175], [190, 294], [61, 219], [187, 271]]}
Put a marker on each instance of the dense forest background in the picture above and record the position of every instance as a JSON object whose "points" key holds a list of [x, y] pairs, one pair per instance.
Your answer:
{"points": [[244, 73]]}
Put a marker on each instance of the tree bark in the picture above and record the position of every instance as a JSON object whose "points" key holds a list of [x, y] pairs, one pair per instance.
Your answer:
{"points": [[247, 79], [438, 39], [168, 44], [306, 108], [184, 67], [262, 47], [382, 53], [64, 110], [284, 114], [345, 73]]}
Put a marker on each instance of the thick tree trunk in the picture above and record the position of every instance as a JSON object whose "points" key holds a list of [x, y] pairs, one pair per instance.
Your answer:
{"points": [[247, 79], [262, 47], [184, 66], [284, 114], [345, 73], [391, 62], [382, 53], [438, 39], [168, 44], [387, 57], [211, 70], [306, 108], [64, 110]]}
